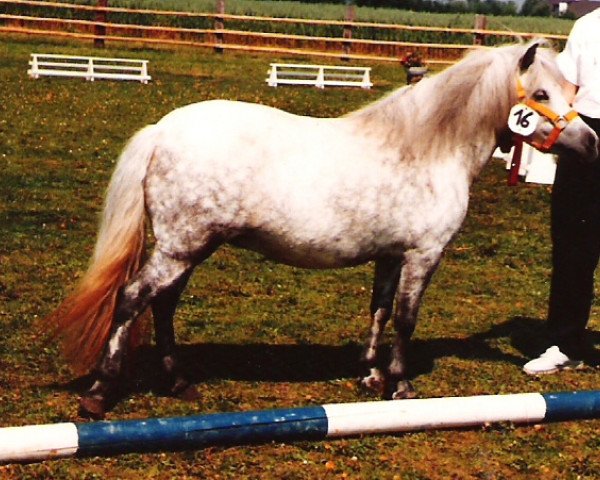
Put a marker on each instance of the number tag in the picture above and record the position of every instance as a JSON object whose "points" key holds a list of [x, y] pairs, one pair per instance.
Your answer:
{"points": [[523, 120]]}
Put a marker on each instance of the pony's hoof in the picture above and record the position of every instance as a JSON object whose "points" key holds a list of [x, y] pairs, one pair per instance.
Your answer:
{"points": [[92, 408], [188, 394], [184, 390], [404, 391], [375, 382]]}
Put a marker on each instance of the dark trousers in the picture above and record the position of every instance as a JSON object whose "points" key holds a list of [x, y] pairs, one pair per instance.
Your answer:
{"points": [[575, 230]]}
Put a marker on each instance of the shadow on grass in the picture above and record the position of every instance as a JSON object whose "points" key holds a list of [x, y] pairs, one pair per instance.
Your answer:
{"points": [[314, 362]]}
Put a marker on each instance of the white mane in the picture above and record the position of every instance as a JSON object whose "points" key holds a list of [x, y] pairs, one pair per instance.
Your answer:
{"points": [[472, 96]]}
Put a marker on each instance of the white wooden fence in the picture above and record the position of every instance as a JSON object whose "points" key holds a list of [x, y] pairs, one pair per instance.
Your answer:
{"points": [[90, 68], [320, 76]]}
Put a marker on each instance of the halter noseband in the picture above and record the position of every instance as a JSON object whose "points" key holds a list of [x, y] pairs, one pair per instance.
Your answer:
{"points": [[560, 122]]}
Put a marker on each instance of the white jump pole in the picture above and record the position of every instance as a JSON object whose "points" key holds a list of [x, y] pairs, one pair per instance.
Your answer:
{"points": [[42, 442]]}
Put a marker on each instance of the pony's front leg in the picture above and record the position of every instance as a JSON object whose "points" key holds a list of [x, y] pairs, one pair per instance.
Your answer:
{"points": [[417, 271], [157, 275], [385, 283]]}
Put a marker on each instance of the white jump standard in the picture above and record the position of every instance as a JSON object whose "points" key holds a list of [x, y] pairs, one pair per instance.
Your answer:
{"points": [[320, 76], [41, 442], [90, 68]]}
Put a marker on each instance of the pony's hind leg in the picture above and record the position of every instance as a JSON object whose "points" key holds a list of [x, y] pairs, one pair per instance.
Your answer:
{"points": [[163, 311], [417, 271], [385, 283], [159, 274]]}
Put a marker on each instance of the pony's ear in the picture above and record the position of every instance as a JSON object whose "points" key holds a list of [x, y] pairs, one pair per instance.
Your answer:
{"points": [[527, 59]]}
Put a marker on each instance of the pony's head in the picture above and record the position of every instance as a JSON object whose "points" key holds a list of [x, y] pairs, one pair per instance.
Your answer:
{"points": [[542, 115]]}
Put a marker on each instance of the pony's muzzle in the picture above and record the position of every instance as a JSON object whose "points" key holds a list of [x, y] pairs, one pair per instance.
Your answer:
{"points": [[589, 144], [579, 139]]}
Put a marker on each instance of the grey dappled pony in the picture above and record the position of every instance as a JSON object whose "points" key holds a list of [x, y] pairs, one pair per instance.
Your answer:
{"points": [[388, 183]]}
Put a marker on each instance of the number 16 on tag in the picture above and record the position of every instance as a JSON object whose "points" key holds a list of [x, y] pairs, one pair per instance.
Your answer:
{"points": [[523, 120]]}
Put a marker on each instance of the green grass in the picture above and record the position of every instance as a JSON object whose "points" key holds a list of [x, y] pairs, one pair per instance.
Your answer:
{"points": [[256, 335]]}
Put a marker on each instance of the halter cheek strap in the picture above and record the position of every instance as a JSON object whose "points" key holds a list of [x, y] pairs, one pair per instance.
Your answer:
{"points": [[560, 122]]}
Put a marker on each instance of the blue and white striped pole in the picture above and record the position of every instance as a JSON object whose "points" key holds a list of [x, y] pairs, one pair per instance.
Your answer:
{"points": [[41, 442]]}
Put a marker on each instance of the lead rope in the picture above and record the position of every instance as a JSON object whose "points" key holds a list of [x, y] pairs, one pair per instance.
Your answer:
{"points": [[515, 162]]}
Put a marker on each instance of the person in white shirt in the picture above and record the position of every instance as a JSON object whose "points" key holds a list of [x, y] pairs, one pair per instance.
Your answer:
{"points": [[575, 213]]}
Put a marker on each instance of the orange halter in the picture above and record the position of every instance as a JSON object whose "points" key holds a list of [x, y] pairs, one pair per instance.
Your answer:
{"points": [[560, 122]]}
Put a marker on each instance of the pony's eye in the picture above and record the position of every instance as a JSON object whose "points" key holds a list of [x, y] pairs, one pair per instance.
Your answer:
{"points": [[540, 96]]}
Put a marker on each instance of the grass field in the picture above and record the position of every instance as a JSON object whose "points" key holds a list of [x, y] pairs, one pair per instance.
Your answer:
{"points": [[256, 335]]}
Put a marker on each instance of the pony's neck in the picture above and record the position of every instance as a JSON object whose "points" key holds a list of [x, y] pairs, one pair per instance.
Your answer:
{"points": [[476, 96], [457, 113]]}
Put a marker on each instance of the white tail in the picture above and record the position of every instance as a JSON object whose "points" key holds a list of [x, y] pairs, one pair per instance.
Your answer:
{"points": [[83, 320]]}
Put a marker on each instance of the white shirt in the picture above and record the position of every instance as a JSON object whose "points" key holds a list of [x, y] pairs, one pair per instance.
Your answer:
{"points": [[579, 62]]}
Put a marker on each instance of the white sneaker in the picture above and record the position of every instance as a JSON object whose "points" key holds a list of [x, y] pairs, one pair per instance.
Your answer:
{"points": [[551, 361]]}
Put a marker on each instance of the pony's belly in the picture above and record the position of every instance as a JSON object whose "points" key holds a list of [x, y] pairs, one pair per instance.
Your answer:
{"points": [[304, 255]]}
